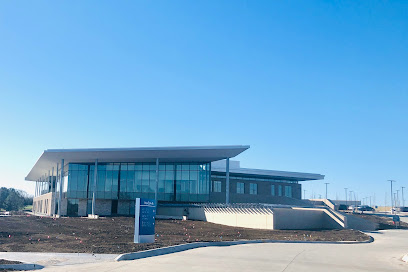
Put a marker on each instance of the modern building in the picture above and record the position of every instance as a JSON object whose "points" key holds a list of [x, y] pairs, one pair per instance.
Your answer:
{"points": [[78, 182]]}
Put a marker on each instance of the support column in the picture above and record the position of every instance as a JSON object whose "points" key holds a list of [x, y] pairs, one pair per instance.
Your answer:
{"points": [[227, 183], [56, 185], [60, 188], [94, 187], [49, 186], [53, 186], [157, 182]]}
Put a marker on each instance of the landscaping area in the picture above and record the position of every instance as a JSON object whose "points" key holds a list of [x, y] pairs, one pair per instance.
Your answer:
{"points": [[115, 234], [384, 222]]}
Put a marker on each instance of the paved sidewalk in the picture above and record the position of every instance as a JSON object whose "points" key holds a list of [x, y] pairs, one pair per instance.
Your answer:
{"points": [[51, 259], [383, 255]]}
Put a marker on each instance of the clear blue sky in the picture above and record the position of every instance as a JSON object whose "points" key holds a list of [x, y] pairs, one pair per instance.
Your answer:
{"points": [[313, 86]]}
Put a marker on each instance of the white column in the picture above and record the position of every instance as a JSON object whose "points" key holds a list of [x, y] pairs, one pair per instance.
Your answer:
{"points": [[60, 187], [157, 182], [56, 179], [227, 183], [94, 186], [49, 181], [53, 185]]}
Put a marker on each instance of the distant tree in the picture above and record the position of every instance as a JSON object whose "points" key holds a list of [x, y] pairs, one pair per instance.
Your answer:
{"points": [[14, 200], [4, 192], [28, 199]]}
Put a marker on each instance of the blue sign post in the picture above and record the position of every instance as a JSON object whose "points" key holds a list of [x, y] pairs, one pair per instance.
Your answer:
{"points": [[396, 220], [145, 215]]}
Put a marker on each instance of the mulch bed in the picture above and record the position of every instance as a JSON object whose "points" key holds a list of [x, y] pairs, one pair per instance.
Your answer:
{"points": [[115, 234]]}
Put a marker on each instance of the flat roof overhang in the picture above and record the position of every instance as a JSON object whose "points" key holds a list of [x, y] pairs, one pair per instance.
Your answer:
{"points": [[203, 154], [285, 175]]}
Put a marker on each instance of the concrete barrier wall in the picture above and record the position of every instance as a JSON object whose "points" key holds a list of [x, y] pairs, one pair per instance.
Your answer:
{"points": [[360, 223], [235, 217], [261, 218], [305, 218], [298, 218]]}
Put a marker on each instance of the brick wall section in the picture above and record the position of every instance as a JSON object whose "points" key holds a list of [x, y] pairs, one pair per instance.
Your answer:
{"points": [[103, 207], [264, 193], [123, 207], [82, 207]]}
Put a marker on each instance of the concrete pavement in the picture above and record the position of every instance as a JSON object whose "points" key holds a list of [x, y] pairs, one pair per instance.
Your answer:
{"points": [[52, 259], [384, 254]]}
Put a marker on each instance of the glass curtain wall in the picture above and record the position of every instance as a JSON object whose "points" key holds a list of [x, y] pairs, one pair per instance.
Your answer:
{"points": [[186, 182]]}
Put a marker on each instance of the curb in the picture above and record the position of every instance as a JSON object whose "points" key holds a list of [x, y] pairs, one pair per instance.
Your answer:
{"points": [[183, 247], [21, 266]]}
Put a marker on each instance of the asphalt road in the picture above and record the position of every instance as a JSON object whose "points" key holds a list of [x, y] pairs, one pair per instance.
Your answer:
{"points": [[384, 254]]}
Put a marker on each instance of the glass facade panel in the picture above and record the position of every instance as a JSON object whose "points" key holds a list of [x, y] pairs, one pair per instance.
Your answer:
{"points": [[190, 182], [273, 190]]}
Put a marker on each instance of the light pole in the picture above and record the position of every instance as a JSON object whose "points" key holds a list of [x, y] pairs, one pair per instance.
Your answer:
{"points": [[345, 189], [397, 200], [304, 194], [326, 188], [402, 196], [392, 201], [351, 197]]}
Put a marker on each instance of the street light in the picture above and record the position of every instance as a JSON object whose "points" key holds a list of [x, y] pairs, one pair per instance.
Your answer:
{"points": [[326, 188], [397, 200], [402, 196], [345, 189], [392, 201]]}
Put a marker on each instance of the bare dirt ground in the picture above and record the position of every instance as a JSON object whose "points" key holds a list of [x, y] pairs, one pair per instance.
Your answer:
{"points": [[384, 222], [115, 234]]}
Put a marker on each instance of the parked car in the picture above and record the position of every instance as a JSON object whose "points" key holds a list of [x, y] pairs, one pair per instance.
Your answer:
{"points": [[401, 209], [342, 207], [365, 208]]}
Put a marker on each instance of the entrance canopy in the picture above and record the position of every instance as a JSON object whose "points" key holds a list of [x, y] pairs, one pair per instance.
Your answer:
{"points": [[203, 154]]}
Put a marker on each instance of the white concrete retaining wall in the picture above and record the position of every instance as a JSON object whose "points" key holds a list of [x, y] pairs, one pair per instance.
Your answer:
{"points": [[256, 218], [305, 218], [262, 217]]}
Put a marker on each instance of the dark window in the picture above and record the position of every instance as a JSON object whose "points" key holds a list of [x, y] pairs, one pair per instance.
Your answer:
{"points": [[114, 207], [72, 207], [240, 188], [253, 188]]}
